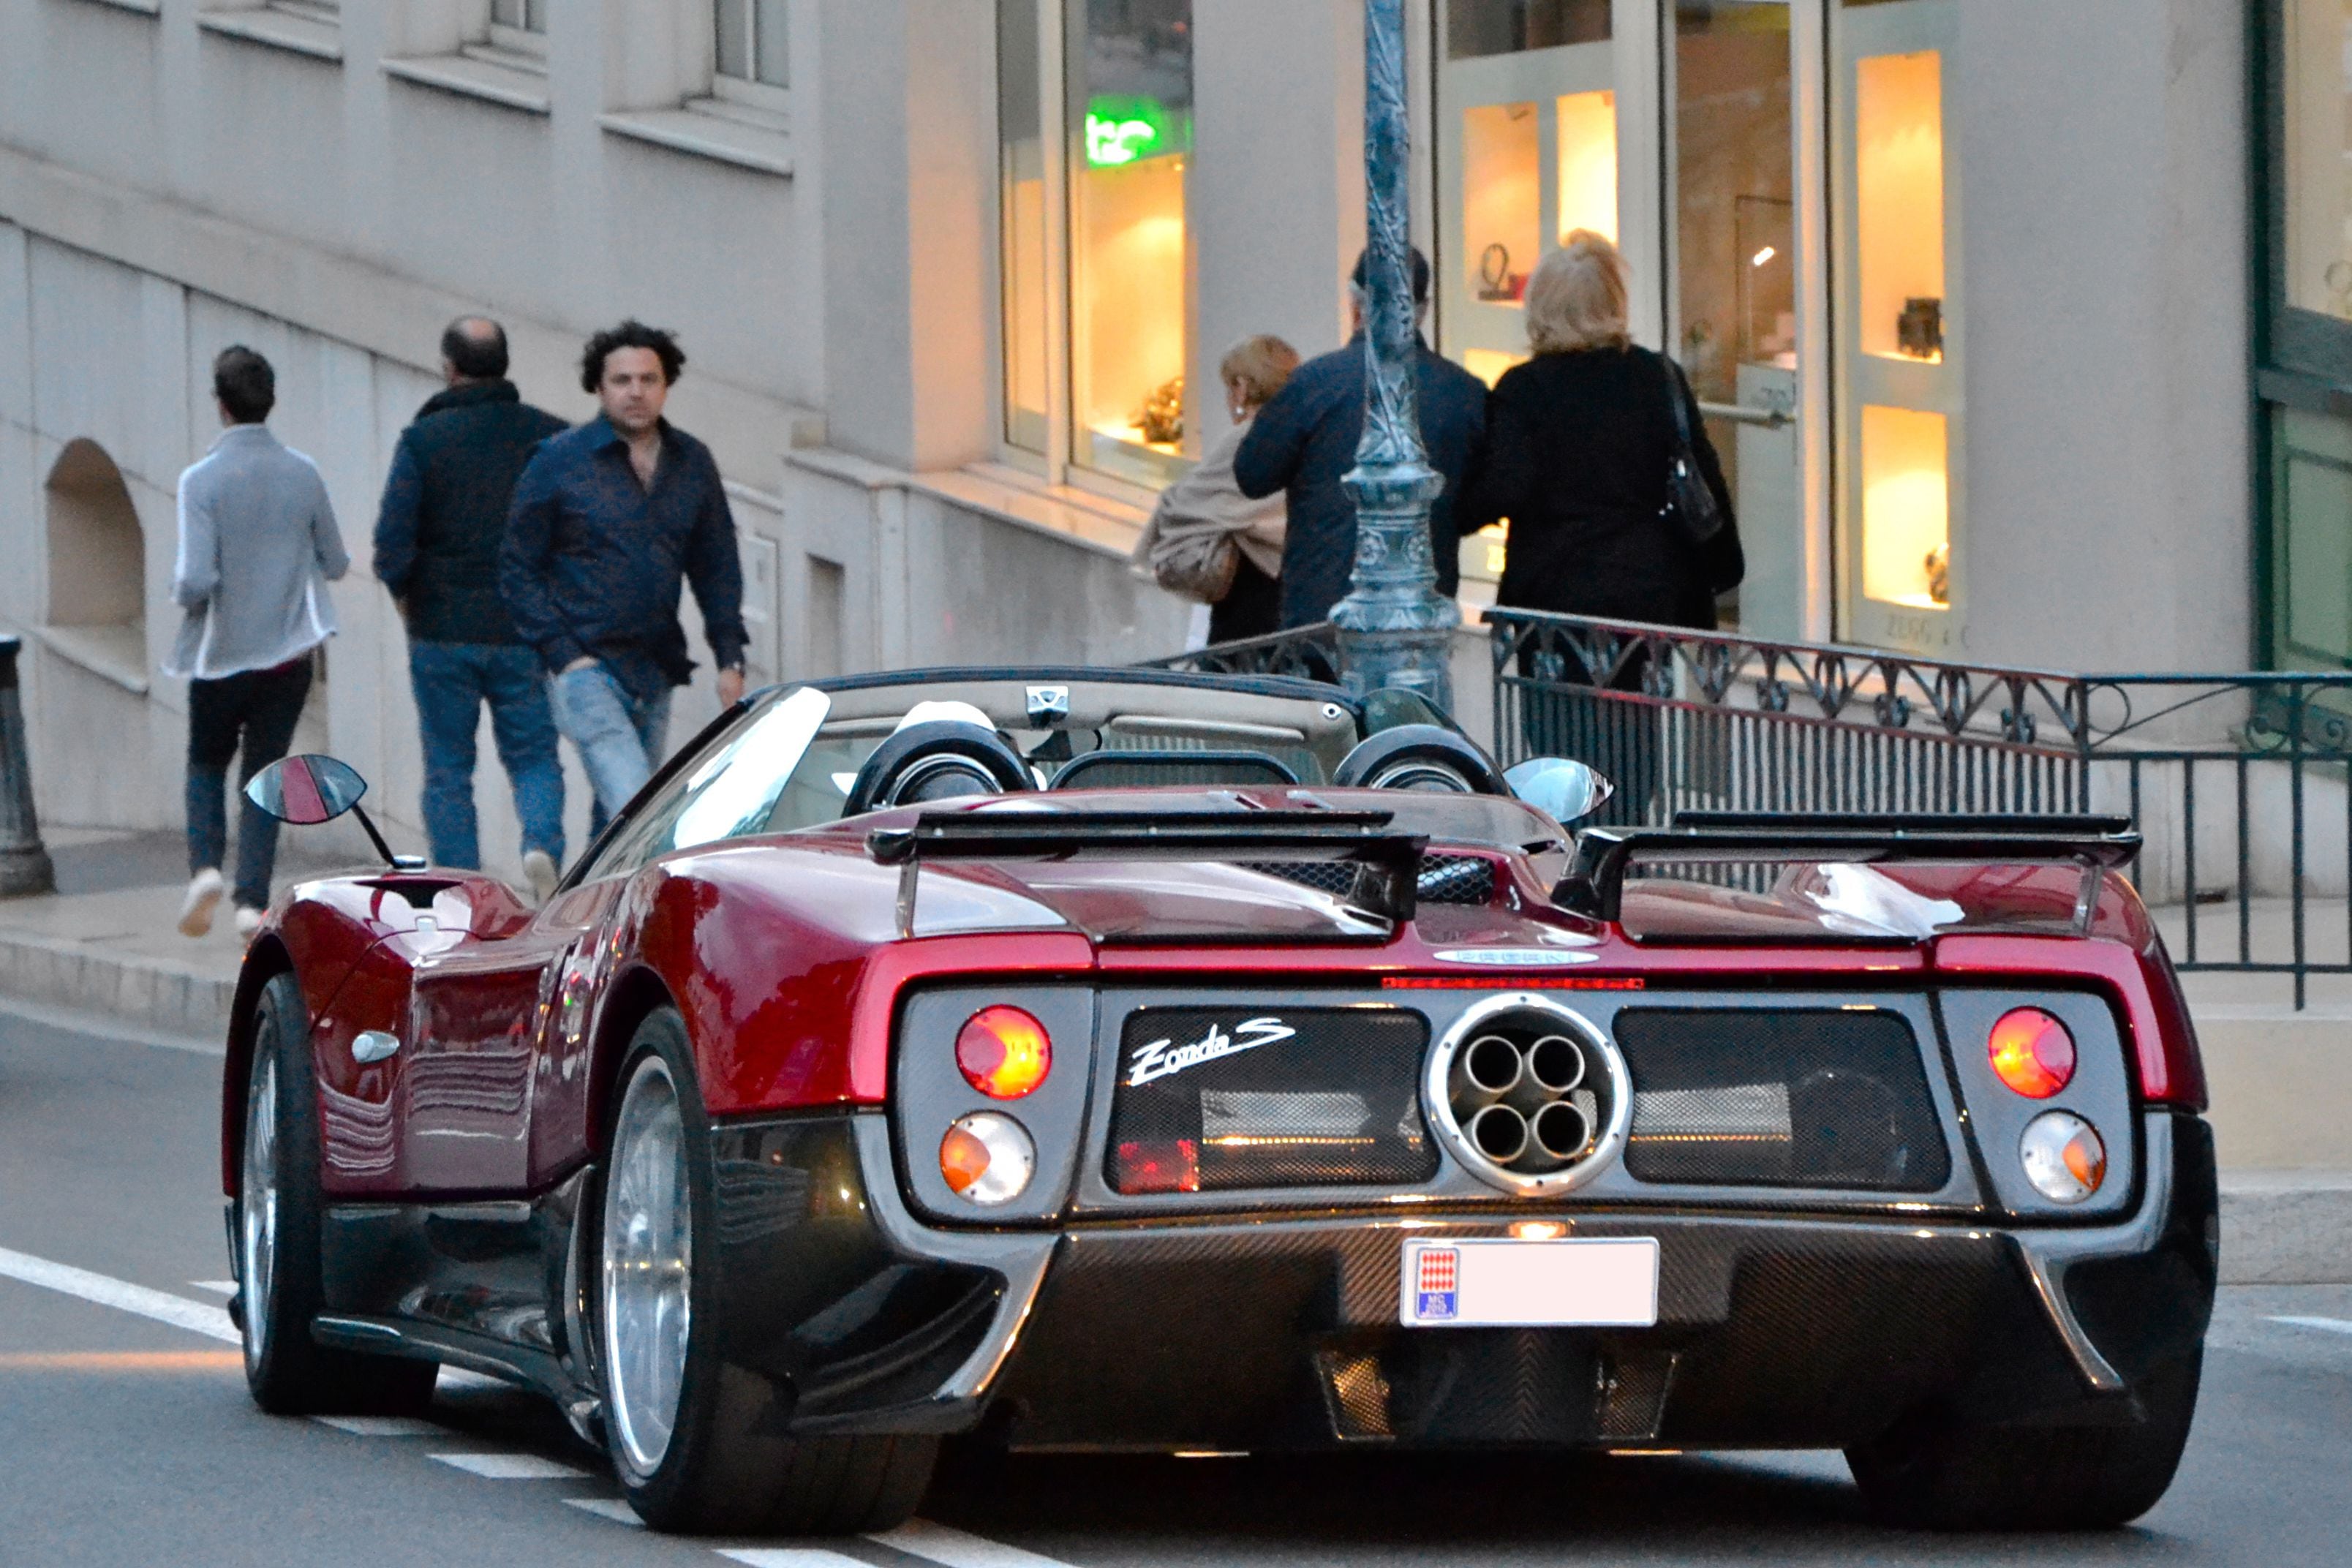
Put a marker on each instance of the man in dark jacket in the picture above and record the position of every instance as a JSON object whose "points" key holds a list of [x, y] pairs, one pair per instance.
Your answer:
{"points": [[1304, 443], [608, 521], [437, 548]]}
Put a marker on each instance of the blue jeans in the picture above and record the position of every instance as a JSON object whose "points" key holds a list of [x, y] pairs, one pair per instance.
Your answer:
{"points": [[621, 736], [452, 680]]}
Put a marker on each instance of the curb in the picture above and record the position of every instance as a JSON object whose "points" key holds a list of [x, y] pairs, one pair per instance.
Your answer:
{"points": [[179, 999], [2286, 1227]]}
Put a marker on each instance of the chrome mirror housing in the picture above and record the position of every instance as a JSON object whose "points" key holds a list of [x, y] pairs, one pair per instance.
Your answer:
{"points": [[1564, 788]]}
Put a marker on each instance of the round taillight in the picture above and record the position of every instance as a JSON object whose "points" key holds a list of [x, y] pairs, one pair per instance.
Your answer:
{"points": [[2064, 1157], [1003, 1052], [987, 1159], [2031, 1052]]}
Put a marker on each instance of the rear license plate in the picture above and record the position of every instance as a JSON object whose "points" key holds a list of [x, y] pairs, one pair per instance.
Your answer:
{"points": [[1601, 1282]]}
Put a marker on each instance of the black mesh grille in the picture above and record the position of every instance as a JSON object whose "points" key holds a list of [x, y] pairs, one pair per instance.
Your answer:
{"points": [[1445, 879], [1822, 1098], [1210, 1100]]}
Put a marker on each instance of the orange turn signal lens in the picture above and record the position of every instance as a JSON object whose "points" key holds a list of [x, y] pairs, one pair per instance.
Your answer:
{"points": [[2032, 1053], [1003, 1052]]}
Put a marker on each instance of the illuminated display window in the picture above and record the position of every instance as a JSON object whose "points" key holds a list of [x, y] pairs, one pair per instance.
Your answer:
{"points": [[1131, 108], [1901, 425], [1096, 240], [1528, 154], [1899, 203], [1905, 506]]}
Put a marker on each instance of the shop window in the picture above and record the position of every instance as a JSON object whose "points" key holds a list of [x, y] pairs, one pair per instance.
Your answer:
{"points": [[1095, 121], [1900, 425], [1899, 203], [1130, 118], [1528, 154], [97, 562]]}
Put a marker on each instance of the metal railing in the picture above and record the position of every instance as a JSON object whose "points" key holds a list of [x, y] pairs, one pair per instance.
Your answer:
{"points": [[1312, 652], [2238, 782]]}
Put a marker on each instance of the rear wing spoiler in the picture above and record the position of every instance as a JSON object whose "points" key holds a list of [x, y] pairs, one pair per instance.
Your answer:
{"points": [[1595, 881], [1390, 860]]}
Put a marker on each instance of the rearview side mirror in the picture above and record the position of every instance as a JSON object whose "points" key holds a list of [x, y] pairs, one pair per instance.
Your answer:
{"points": [[1564, 788], [312, 789]]}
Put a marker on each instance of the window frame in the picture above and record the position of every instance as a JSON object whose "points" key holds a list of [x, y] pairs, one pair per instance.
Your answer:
{"points": [[2301, 358], [751, 91]]}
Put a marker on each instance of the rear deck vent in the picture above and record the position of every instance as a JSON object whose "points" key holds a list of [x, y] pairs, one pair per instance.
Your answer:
{"points": [[1754, 1097]]}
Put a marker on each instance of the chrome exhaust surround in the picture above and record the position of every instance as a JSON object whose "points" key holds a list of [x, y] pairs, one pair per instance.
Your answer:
{"points": [[1529, 1095]]}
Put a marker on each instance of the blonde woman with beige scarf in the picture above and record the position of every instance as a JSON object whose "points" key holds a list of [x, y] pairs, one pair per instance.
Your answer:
{"points": [[1208, 542]]}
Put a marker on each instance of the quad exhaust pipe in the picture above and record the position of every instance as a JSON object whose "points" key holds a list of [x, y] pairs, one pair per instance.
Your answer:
{"points": [[1512, 1100]]}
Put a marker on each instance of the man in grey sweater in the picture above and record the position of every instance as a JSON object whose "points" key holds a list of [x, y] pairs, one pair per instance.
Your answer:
{"points": [[257, 546]]}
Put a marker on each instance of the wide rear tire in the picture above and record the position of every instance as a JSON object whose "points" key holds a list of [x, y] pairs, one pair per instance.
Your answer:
{"points": [[280, 1208], [1938, 1473], [699, 1444]]}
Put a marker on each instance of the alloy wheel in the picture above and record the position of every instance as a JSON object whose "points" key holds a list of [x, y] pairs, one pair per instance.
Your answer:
{"points": [[257, 1207], [647, 1294]]}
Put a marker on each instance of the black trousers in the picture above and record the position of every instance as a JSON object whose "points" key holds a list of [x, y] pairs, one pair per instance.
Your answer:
{"points": [[254, 713], [1251, 608]]}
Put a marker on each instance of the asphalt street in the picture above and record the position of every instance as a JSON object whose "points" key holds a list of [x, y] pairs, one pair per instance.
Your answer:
{"points": [[129, 1439]]}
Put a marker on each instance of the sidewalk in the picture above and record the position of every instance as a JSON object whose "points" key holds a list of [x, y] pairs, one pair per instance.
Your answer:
{"points": [[106, 941], [2282, 1080]]}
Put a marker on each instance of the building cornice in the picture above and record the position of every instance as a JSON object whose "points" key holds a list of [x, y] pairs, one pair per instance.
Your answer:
{"points": [[357, 301]]}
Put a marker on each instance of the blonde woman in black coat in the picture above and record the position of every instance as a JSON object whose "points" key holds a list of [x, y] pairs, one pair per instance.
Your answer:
{"points": [[1580, 441]]}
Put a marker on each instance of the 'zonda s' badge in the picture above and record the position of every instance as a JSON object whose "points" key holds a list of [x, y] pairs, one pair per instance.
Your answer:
{"points": [[1158, 1060]]}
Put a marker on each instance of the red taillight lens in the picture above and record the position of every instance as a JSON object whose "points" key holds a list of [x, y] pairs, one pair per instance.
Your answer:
{"points": [[1160, 1165], [2031, 1052], [1003, 1052]]}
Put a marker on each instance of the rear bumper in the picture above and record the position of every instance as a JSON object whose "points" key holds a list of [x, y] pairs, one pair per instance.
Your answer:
{"points": [[1281, 1332]]}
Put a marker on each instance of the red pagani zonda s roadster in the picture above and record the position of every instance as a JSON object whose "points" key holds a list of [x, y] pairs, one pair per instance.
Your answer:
{"points": [[1124, 1059]]}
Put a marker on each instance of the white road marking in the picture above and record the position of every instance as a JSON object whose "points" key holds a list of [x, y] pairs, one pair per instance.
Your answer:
{"points": [[2332, 1325], [207, 1318], [609, 1507], [382, 1426], [218, 1287], [954, 1549], [510, 1467], [788, 1557]]}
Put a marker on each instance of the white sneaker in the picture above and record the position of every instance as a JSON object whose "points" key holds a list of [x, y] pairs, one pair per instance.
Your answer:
{"points": [[539, 872], [206, 890], [247, 922]]}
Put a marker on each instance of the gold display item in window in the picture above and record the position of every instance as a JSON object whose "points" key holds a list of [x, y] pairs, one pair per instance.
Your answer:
{"points": [[1939, 574], [1919, 330], [1162, 417]]}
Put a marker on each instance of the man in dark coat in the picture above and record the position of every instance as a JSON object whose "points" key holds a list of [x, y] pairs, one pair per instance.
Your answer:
{"points": [[610, 521], [437, 548], [1305, 441]]}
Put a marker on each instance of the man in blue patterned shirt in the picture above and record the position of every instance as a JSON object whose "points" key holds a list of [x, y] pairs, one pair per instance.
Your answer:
{"points": [[609, 520]]}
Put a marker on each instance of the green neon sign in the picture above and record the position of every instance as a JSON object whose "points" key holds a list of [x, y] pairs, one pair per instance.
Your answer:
{"points": [[1121, 131]]}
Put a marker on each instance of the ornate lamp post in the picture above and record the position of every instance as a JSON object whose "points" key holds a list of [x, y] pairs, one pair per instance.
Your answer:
{"points": [[1394, 630]]}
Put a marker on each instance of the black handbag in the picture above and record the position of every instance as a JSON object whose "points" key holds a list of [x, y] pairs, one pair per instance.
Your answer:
{"points": [[1691, 510], [1691, 507]]}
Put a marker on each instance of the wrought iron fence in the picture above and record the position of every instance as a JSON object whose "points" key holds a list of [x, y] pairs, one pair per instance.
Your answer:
{"points": [[2238, 782], [1312, 652]]}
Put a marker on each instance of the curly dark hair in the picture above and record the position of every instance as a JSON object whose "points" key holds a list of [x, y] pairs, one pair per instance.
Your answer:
{"points": [[630, 334]]}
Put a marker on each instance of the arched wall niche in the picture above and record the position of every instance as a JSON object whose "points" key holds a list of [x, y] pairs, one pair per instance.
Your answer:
{"points": [[98, 552]]}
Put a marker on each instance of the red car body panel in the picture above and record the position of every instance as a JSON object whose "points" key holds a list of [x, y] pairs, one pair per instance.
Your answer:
{"points": [[785, 958]]}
